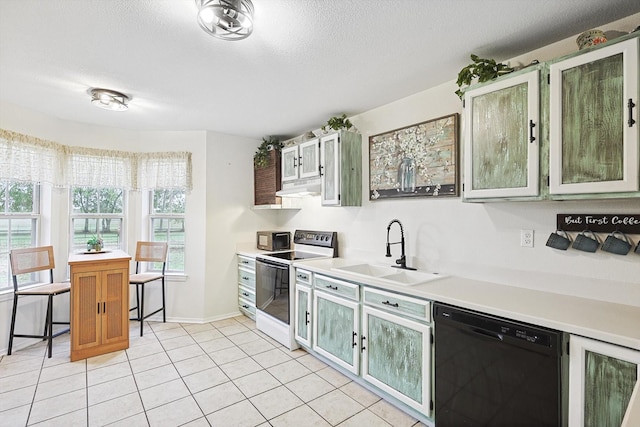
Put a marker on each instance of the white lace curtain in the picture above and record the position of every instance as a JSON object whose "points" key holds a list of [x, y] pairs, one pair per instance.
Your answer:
{"points": [[26, 158]]}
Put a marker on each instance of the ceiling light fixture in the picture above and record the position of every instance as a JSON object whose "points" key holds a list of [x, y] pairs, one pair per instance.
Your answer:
{"points": [[109, 99], [226, 19]]}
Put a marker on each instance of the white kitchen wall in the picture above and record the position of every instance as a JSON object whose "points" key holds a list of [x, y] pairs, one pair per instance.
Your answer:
{"points": [[474, 239]]}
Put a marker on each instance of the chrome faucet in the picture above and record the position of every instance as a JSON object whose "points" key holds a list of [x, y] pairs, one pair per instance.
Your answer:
{"points": [[402, 261]]}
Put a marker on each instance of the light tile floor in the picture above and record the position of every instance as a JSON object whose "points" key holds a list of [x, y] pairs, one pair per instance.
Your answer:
{"points": [[223, 373]]}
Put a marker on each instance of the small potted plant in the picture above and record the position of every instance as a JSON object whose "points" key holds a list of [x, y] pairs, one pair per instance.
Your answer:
{"points": [[338, 123], [262, 156], [482, 69], [95, 244]]}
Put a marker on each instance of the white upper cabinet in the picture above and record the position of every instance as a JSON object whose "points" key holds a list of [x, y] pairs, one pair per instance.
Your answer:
{"points": [[301, 161], [594, 121], [502, 146]]}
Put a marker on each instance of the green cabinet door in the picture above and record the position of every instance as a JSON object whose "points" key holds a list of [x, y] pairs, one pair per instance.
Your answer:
{"points": [[303, 315], [593, 138], [309, 160], [502, 143], [601, 379], [341, 169], [396, 357], [289, 163], [336, 327]]}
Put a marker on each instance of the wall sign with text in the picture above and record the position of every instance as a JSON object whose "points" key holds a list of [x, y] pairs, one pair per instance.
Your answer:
{"points": [[600, 223]]}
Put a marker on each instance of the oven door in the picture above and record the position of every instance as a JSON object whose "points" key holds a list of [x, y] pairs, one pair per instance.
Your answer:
{"points": [[272, 289]]}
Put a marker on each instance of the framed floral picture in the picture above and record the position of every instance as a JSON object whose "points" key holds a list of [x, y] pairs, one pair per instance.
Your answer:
{"points": [[415, 161]]}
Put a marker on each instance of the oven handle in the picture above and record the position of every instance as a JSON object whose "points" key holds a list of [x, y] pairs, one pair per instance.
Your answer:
{"points": [[272, 263]]}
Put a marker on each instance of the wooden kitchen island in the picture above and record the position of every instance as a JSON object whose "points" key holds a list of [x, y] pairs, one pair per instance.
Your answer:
{"points": [[99, 303]]}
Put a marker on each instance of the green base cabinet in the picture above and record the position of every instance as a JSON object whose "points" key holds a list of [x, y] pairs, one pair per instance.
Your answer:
{"points": [[336, 326], [383, 338], [302, 308], [396, 357], [247, 286], [602, 378]]}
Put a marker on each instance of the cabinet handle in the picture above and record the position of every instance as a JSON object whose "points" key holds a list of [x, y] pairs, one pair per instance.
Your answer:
{"points": [[295, 162], [391, 304], [362, 347], [320, 170], [104, 307], [630, 104], [98, 308], [300, 161], [531, 126], [353, 339], [306, 318], [335, 288]]}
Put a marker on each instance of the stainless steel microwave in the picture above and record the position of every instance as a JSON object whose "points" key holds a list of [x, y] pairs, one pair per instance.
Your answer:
{"points": [[273, 240]]}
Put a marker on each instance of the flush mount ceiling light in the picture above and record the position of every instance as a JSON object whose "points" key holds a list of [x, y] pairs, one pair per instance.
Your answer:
{"points": [[226, 19], [109, 99]]}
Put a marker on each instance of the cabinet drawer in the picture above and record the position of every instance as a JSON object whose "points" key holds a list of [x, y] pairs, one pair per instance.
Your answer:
{"points": [[395, 303], [247, 307], [337, 287], [247, 277], [248, 294], [303, 276], [244, 261]]}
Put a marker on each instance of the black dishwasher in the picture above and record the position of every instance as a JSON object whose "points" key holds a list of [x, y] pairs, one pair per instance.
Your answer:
{"points": [[491, 371]]}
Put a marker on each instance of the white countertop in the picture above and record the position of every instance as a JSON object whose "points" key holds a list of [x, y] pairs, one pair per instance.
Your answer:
{"points": [[614, 323]]}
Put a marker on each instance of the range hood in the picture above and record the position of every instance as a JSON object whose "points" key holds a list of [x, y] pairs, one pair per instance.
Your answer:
{"points": [[300, 188]]}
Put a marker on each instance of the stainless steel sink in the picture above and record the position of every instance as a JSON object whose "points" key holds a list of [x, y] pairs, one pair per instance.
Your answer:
{"points": [[389, 274]]}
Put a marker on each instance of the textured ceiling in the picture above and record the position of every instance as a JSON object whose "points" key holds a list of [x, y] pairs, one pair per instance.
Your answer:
{"points": [[306, 60]]}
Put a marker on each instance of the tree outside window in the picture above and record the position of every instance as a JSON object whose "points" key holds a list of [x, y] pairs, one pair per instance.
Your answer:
{"points": [[168, 225], [97, 212], [19, 215]]}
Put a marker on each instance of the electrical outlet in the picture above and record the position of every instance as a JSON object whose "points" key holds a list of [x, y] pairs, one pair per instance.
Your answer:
{"points": [[526, 238]]}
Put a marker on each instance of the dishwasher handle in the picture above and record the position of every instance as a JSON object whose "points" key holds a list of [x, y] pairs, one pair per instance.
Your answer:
{"points": [[489, 334]]}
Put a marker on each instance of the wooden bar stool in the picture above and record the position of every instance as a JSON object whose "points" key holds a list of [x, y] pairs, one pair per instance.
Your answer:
{"points": [[148, 252], [32, 260]]}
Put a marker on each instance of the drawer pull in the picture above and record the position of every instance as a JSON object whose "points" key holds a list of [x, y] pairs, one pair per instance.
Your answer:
{"points": [[335, 288], [245, 278], [245, 294], [245, 306], [391, 304]]}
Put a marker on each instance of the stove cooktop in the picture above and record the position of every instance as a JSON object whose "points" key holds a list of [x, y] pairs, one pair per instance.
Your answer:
{"points": [[293, 255]]}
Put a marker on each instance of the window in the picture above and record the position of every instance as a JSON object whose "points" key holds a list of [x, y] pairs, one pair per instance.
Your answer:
{"points": [[167, 208], [19, 215], [97, 212]]}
